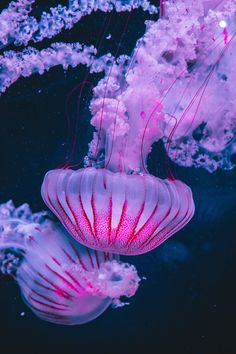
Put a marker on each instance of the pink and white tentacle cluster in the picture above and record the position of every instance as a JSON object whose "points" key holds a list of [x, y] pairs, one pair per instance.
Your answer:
{"points": [[19, 28], [181, 79], [184, 63]]}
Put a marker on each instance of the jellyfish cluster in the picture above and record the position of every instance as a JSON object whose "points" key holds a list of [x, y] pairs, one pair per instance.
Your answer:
{"points": [[178, 87]]}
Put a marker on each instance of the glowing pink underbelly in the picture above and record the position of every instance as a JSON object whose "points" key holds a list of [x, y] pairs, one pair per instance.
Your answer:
{"points": [[116, 212]]}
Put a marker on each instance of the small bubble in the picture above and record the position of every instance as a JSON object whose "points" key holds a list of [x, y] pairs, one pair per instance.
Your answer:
{"points": [[223, 24]]}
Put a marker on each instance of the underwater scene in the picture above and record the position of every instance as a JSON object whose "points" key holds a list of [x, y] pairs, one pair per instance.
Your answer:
{"points": [[118, 179]]}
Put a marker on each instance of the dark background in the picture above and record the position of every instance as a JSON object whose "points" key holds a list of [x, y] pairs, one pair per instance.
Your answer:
{"points": [[187, 303]]}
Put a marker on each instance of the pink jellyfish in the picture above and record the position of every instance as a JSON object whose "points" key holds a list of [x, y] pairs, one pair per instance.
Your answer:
{"points": [[120, 208], [60, 280], [175, 87], [118, 212], [114, 204]]}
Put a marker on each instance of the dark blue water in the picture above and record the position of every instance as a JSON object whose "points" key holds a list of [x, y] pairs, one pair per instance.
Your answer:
{"points": [[187, 303]]}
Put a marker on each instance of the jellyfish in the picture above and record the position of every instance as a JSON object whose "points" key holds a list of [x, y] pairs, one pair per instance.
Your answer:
{"points": [[176, 87], [60, 280], [162, 91], [118, 212]]}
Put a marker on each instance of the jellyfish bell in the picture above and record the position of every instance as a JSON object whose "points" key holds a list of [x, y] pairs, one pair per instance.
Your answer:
{"points": [[53, 280], [60, 280]]}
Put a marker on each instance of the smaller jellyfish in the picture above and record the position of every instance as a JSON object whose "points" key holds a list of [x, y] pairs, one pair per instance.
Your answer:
{"points": [[60, 280]]}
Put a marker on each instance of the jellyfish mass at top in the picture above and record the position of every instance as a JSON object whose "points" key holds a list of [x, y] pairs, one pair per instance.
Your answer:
{"points": [[177, 86]]}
